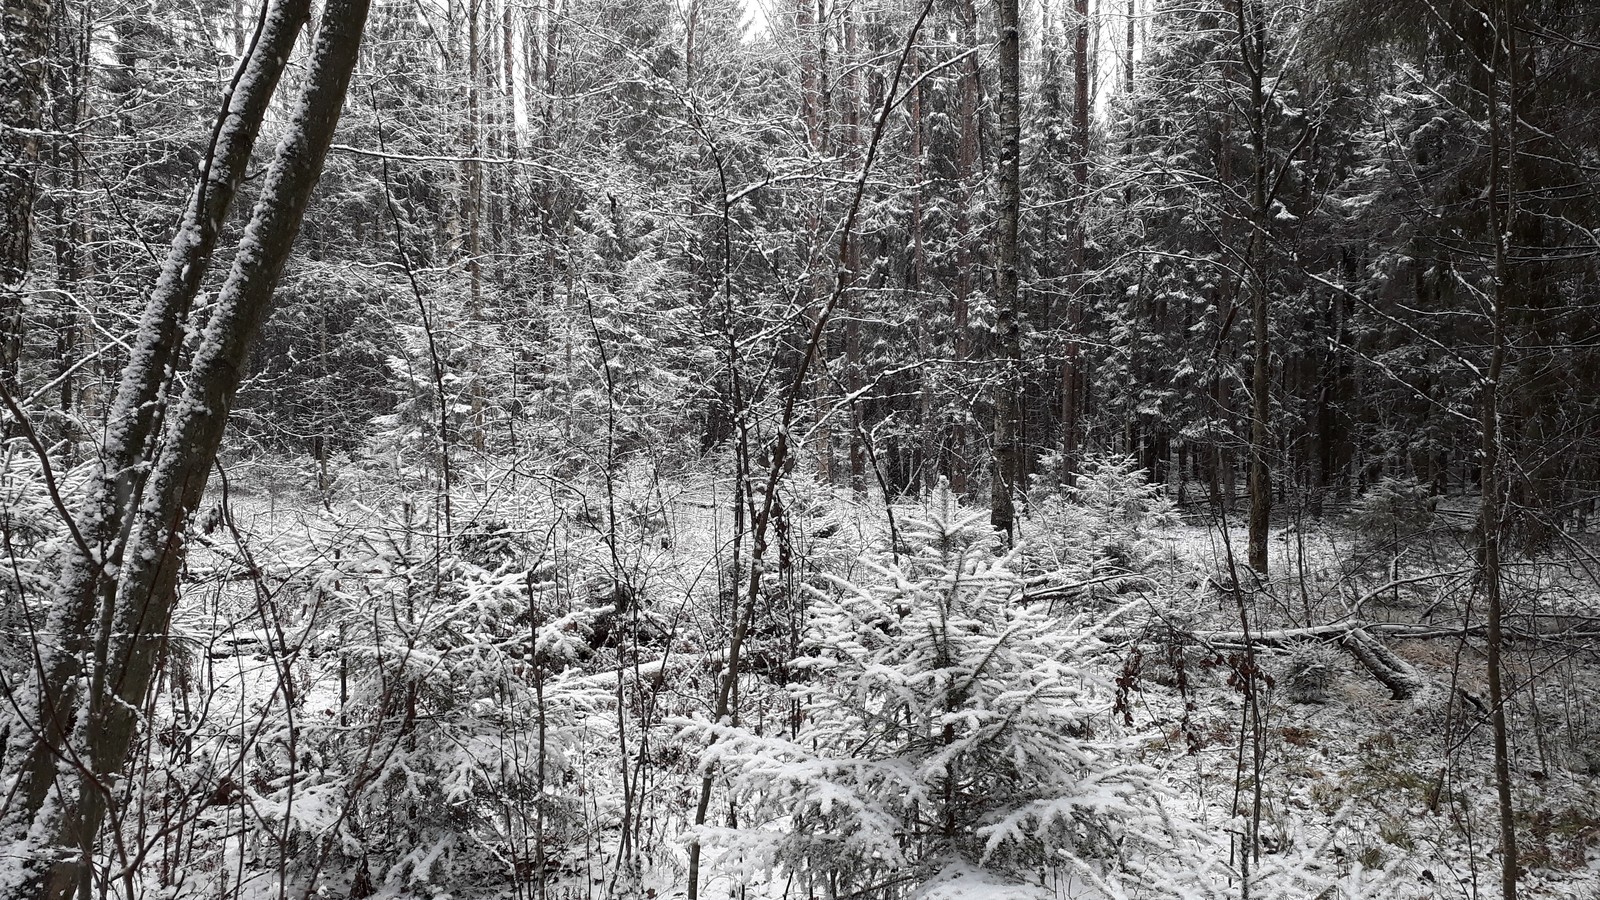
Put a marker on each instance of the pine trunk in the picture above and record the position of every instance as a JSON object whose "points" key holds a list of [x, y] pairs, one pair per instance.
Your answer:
{"points": [[854, 295], [1503, 219], [961, 295], [1252, 46], [1071, 366]]}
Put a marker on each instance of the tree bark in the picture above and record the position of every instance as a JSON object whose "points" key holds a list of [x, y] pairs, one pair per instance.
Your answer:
{"points": [[961, 295], [916, 277], [854, 293], [1253, 52], [131, 632], [24, 45], [1071, 366], [1400, 677], [85, 594], [1007, 436], [1503, 219], [472, 214], [69, 90]]}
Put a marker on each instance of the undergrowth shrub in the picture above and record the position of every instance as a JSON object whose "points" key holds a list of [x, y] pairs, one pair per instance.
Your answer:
{"points": [[431, 724], [28, 526], [1105, 524], [1310, 671], [953, 731]]}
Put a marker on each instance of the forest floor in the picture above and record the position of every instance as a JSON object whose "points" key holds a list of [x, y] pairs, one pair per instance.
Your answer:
{"points": [[1387, 797], [1404, 787]]}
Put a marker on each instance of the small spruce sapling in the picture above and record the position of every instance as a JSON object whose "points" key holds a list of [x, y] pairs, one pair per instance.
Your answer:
{"points": [[1109, 514], [1309, 673], [445, 756], [951, 727], [1388, 516], [1390, 511]]}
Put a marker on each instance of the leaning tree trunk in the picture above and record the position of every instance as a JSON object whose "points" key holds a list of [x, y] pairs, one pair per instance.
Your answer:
{"points": [[67, 779], [24, 43], [84, 595], [1007, 424]]}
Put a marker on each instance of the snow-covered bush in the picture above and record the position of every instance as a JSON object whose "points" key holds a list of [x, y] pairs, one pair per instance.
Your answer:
{"points": [[1309, 672], [951, 728], [29, 526], [1110, 513], [472, 703], [424, 735], [1391, 510]]}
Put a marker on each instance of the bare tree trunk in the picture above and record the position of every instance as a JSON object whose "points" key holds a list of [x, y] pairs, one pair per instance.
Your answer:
{"points": [[1007, 425], [24, 45], [1489, 551], [130, 635], [1128, 46], [79, 615], [825, 441], [805, 24], [542, 73], [961, 295], [812, 30], [854, 295], [505, 209], [917, 274], [1252, 50], [1071, 366], [1503, 218], [72, 43], [472, 212]]}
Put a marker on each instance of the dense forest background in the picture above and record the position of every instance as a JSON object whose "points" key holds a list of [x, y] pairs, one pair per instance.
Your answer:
{"points": [[646, 183], [896, 449]]}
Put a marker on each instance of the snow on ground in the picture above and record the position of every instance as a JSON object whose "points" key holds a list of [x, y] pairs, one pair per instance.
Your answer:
{"points": [[1387, 798]]}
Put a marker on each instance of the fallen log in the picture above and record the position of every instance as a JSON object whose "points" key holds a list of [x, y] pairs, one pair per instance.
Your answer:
{"points": [[1537, 626], [1362, 641], [1402, 679]]}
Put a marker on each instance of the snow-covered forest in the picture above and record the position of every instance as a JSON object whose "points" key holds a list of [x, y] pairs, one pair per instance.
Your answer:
{"points": [[804, 449]]}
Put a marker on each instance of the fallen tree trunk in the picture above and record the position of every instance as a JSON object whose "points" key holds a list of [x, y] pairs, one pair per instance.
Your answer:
{"points": [[1359, 639], [1531, 627], [1402, 679], [1364, 641]]}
